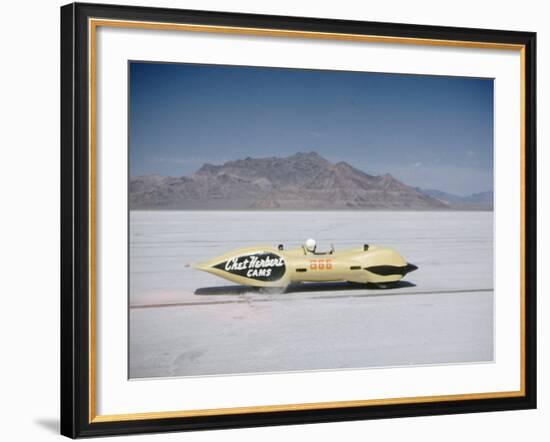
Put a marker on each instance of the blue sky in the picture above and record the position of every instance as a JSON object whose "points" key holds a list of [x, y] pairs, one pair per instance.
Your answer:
{"points": [[428, 131]]}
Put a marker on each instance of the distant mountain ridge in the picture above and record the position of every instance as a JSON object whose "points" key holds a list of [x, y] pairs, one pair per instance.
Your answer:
{"points": [[475, 201], [303, 181]]}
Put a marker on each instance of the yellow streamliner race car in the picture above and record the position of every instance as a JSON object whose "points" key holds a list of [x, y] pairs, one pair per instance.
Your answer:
{"points": [[267, 266]]}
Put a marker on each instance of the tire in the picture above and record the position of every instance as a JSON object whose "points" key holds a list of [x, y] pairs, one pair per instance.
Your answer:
{"points": [[385, 285]]}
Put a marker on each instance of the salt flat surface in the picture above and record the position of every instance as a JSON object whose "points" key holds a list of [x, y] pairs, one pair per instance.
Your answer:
{"points": [[186, 322]]}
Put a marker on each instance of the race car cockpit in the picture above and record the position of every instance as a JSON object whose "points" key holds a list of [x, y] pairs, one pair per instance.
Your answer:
{"points": [[310, 248]]}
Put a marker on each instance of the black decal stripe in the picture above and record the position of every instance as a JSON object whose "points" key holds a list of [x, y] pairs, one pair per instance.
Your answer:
{"points": [[387, 270]]}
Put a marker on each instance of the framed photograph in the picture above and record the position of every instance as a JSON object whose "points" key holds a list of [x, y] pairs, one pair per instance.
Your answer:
{"points": [[274, 220]]}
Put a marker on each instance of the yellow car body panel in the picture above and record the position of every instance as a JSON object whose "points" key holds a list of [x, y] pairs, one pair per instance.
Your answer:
{"points": [[268, 266]]}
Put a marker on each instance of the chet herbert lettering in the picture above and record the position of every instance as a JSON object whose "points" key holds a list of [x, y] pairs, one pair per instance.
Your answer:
{"points": [[259, 265]]}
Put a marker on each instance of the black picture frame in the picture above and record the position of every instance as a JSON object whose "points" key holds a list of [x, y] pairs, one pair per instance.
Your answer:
{"points": [[76, 401]]}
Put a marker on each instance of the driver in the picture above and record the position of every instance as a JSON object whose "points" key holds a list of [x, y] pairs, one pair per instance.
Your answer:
{"points": [[311, 245]]}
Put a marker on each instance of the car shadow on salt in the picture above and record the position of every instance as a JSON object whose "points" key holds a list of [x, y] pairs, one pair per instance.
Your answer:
{"points": [[297, 288]]}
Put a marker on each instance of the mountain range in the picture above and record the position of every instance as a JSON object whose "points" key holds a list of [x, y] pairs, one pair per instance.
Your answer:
{"points": [[303, 181], [475, 201]]}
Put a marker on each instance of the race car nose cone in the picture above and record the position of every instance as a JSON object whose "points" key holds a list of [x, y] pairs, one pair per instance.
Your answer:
{"points": [[410, 268]]}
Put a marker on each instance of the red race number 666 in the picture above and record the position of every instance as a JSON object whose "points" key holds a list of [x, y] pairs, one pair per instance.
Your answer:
{"points": [[320, 264]]}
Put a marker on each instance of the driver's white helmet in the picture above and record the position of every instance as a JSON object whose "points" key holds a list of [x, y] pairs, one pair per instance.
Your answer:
{"points": [[311, 244]]}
